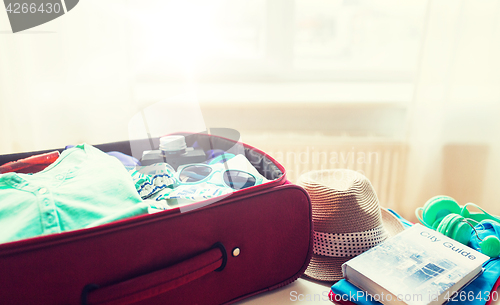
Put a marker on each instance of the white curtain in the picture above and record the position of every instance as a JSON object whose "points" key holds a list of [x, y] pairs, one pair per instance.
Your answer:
{"points": [[67, 81], [454, 125]]}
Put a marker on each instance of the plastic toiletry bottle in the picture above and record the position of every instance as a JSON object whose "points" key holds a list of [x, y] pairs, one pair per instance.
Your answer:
{"points": [[173, 150]]}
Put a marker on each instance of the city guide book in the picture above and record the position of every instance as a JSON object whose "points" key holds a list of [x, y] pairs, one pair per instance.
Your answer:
{"points": [[419, 266]]}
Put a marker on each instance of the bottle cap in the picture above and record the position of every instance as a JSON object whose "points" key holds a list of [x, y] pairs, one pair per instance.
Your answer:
{"points": [[172, 143]]}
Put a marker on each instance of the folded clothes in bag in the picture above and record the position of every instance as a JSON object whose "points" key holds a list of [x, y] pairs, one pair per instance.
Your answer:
{"points": [[84, 187]]}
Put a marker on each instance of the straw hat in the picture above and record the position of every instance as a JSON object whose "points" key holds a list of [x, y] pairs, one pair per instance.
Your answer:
{"points": [[347, 220]]}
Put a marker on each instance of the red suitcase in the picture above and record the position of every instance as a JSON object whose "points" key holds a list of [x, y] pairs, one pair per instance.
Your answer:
{"points": [[254, 240]]}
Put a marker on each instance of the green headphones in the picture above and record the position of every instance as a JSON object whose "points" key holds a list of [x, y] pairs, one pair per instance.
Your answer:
{"points": [[443, 214]]}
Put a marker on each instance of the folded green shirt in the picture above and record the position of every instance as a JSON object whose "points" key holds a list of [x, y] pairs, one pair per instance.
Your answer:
{"points": [[84, 187]]}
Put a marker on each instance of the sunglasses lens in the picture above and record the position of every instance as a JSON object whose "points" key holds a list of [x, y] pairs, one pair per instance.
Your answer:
{"points": [[238, 180], [194, 173]]}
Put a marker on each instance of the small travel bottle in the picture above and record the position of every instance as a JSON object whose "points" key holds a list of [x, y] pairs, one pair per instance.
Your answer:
{"points": [[173, 150]]}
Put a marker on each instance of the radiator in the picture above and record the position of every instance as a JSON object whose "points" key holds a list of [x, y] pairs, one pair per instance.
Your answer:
{"points": [[381, 161]]}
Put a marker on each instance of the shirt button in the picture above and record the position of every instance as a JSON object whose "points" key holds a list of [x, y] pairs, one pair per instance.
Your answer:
{"points": [[50, 218], [46, 201], [17, 179], [42, 191]]}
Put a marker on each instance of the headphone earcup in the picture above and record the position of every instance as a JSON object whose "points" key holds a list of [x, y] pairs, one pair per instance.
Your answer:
{"points": [[490, 246], [462, 232], [446, 224], [453, 227], [436, 208]]}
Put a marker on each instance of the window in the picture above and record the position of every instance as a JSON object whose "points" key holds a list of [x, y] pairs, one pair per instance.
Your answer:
{"points": [[238, 53], [279, 40], [358, 39]]}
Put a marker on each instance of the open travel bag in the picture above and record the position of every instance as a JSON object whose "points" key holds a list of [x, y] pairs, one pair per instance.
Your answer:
{"points": [[211, 252]]}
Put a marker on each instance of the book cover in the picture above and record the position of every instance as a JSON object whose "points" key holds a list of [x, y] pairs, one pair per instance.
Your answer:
{"points": [[418, 266]]}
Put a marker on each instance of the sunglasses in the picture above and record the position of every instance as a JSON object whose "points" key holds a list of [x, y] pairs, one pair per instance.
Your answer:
{"points": [[199, 173]]}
